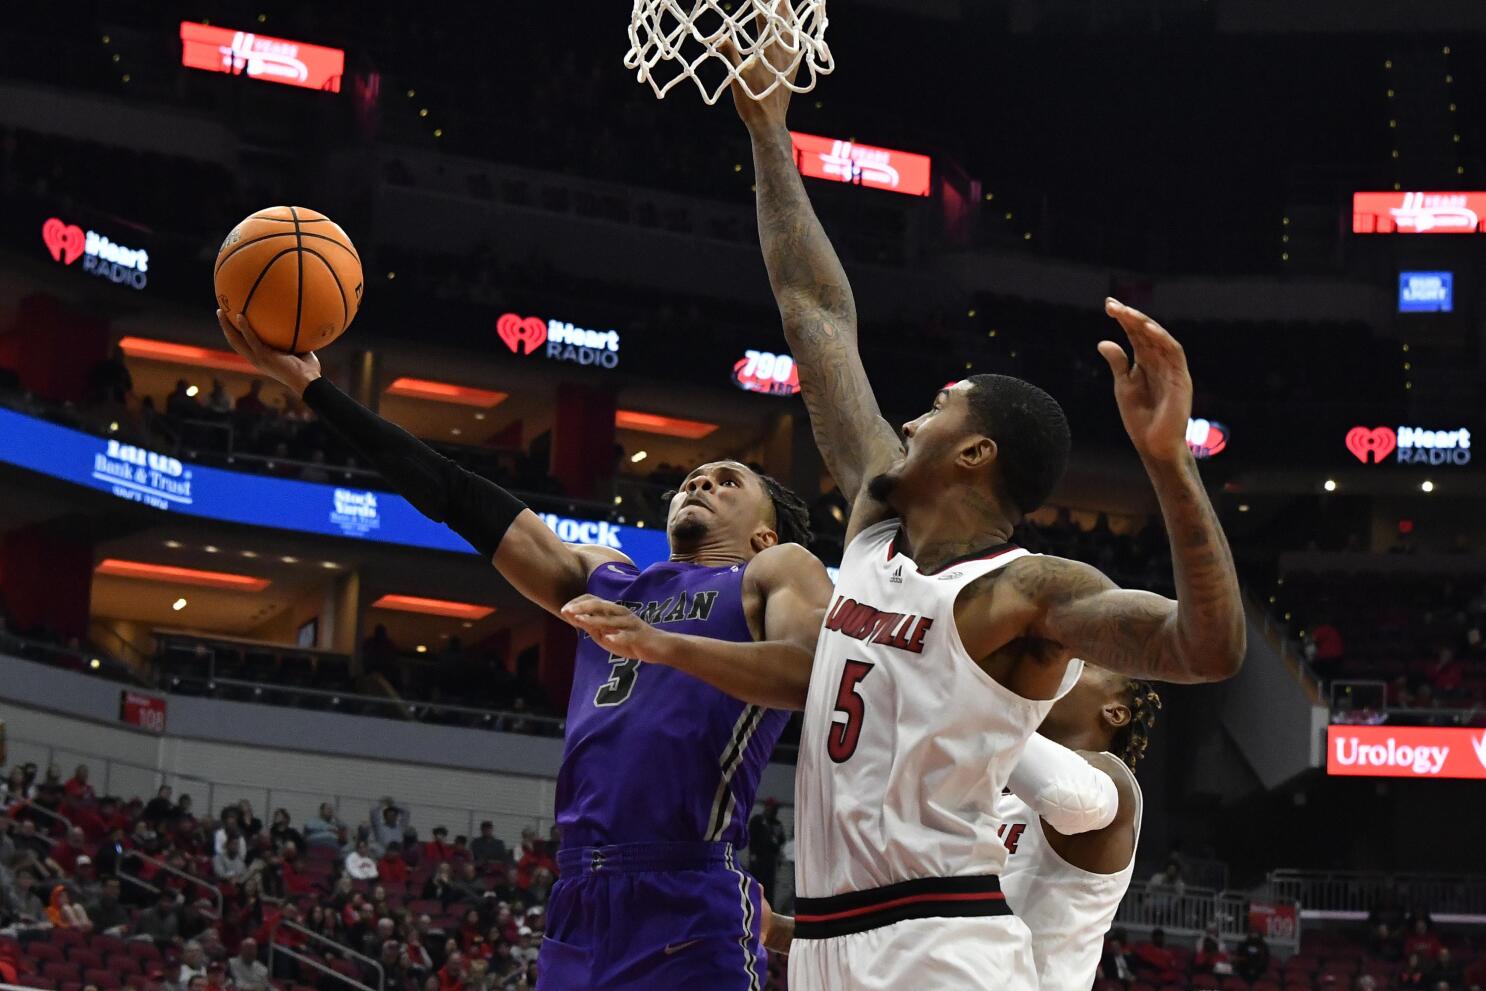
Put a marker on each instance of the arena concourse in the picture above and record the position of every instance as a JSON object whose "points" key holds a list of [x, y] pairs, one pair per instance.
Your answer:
{"points": [[264, 726]]}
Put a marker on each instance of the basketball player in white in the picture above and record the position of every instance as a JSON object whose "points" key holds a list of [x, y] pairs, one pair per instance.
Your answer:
{"points": [[946, 645], [1071, 822]]}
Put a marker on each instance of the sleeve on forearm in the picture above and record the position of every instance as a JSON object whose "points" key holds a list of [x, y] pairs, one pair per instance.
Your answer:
{"points": [[1069, 793], [474, 507]]}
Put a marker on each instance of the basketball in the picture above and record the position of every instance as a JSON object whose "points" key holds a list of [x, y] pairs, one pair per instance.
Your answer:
{"points": [[295, 274]]}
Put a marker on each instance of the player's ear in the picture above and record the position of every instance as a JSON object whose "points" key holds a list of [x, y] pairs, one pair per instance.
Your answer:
{"points": [[977, 452], [763, 538], [1116, 714]]}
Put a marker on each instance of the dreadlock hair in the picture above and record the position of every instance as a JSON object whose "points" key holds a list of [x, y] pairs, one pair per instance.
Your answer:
{"points": [[791, 515], [1133, 738]]}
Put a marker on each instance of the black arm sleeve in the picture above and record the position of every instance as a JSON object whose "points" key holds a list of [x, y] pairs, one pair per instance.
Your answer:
{"points": [[474, 507]]}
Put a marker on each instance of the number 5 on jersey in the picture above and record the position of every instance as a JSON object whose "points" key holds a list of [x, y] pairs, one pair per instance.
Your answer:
{"points": [[841, 741]]}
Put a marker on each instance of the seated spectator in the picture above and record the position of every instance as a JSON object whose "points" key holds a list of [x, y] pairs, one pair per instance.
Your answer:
{"points": [[22, 901], [282, 832], [1154, 956], [160, 922], [193, 965], [470, 932], [296, 881], [323, 829], [63, 914], [441, 885], [250, 824], [66, 852], [182, 404], [161, 808], [451, 974], [392, 868], [251, 403], [1414, 973], [216, 977], [416, 962], [470, 885], [229, 865], [1253, 956], [108, 913], [1422, 940], [534, 855], [1211, 959], [438, 850], [487, 847], [390, 960], [77, 788], [359, 864], [1116, 963], [217, 401], [1446, 970], [231, 826]]}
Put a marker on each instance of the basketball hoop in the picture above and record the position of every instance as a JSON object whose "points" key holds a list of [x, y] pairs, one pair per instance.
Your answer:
{"points": [[689, 36]]}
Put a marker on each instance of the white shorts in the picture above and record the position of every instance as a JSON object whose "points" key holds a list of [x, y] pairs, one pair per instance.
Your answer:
{"points": [[955, 954]]}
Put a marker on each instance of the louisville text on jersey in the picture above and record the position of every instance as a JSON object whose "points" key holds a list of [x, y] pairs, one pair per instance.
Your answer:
{"points": [[860, 621]]}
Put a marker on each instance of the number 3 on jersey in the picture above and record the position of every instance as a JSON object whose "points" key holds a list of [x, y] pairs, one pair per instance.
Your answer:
{"points": [[841, 741], [622, 674]]}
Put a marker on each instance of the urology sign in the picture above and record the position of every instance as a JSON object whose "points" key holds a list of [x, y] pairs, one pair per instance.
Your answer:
{"points": [[862, 165], [1405, 752], [257, 56], [1417, 213]]}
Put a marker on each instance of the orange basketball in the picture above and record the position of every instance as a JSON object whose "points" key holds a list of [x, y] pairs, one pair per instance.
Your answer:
{"points": [[295, 274]]}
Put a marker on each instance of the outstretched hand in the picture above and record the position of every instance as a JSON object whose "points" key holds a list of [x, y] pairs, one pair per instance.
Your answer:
{"points": [[614, 628], [294, 372], [1154, 392], [760, 71]]}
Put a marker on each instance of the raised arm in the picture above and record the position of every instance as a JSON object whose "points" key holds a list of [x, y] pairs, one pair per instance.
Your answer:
{"points": [[506, 533], [1199, 636], [773, 671], [815, 304]]}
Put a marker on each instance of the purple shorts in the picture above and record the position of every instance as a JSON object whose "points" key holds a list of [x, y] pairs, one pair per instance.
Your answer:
{"points": [[653, 917]]}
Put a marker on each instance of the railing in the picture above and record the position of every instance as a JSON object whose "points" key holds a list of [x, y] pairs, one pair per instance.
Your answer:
{"points": [[1279, 638], [1365, 702], [145, 779], [1352, 895], [1186, 913], [161, 865], [274, 946], [55, 817]]}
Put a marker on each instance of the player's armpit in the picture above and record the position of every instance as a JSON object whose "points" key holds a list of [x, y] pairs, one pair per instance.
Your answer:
{"points": [[1132, 632]]}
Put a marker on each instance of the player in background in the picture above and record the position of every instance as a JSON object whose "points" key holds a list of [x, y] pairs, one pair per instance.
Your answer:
{"points": [[1070, 823], [945, 645], [659, 770], [1070, 850]]}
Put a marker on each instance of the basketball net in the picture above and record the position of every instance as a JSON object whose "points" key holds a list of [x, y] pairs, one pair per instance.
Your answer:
{"points": [[675, 40]]}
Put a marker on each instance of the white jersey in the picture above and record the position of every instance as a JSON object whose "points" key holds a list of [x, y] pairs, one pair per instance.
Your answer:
{"points": [[906, 743], [1067, 908]]}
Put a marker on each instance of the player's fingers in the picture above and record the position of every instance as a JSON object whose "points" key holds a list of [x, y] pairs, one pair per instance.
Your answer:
{"points": [[1119, 362], [233, 335], [249, 336]]}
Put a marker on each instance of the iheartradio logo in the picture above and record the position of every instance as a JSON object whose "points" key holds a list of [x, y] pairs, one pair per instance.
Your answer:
{"points": [[559, 340], [1414, 445], [522, 335], [66, 243]]}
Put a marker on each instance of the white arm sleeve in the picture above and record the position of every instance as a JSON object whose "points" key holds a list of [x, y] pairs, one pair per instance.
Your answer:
{"points": [[1069, 793]]}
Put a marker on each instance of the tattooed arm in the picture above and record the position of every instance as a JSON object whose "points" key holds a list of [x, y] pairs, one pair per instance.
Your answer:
{"points": [[815, 304], [1198, 637]]}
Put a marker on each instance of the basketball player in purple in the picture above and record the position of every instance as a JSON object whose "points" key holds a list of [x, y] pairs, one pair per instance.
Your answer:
{"points": [[660, 769]]}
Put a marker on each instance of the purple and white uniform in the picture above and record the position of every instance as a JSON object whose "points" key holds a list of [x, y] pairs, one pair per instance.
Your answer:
{"points": [[657, 782]]}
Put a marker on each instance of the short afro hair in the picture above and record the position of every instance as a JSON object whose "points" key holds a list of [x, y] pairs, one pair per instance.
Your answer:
{"points": [[1031, 435]]}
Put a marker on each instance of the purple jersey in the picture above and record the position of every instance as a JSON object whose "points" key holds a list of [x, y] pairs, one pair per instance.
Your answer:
{"points": [[653, 755]]}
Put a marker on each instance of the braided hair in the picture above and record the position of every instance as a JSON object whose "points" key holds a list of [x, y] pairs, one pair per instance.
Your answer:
{"points": [[1133, 738]]}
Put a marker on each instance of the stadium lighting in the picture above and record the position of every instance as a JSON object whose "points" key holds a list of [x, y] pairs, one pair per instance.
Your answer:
{"points": [[180, 576], [445, 392], [433, 607], [1330, 485], [638, 456], [178, 605], [1427, 486]]}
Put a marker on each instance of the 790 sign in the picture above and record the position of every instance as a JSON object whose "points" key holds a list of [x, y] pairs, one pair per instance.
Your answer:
{"points": [[763, 371]]}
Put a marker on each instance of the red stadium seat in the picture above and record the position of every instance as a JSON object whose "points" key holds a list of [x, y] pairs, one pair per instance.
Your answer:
{"points": [[106, 945], [1103, 984], [67, 937], [85, 958], [33, 981], [124, 964], [142, 950], [60, 972], [44, 952], [73, 986], [105, 979], [1266, 984]]}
